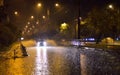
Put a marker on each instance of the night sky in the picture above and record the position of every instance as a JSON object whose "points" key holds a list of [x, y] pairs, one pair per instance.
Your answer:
{"points": [[27, 7], [85, 5]]}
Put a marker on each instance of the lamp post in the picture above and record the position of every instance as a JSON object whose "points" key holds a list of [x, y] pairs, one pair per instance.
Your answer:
{"points": [[44, 13], [114, 17], [79, 21], [48, 9], [38, 7]]}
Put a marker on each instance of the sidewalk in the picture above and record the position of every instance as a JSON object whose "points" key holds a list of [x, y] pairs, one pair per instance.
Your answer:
{"points": [[111, 46], [15, 50]]}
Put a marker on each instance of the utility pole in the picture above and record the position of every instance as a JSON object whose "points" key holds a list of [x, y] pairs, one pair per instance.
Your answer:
{"points": [[79, 20], [79, 27]]}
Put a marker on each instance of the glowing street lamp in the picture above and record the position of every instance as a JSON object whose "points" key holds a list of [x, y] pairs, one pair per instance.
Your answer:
{"points": [[16, 13], [37, 22], [43, 17], [32, 17], [39, 5], [111, 6], [57, 5], [48, 10], [28, 23]]}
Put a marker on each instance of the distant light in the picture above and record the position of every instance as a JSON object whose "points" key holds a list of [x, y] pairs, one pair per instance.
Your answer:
{"points": [[16, 13], [89, 39], [86, 47], [37, 22], [44, 44], [111, 6], [38, 43], [32, 17], [33, 26], [26, 26], [39, 4], [28, 23], [43, 17], [57, 5], [117, 39], [22, 38]]}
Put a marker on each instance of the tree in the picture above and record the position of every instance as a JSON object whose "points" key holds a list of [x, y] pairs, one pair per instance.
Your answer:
{"points": [[9, 32], [104, 22], [65, 31]]}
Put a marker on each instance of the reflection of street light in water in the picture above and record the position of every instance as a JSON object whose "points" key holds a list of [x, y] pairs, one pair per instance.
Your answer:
{"points": [[83, 62], [41, 61]]}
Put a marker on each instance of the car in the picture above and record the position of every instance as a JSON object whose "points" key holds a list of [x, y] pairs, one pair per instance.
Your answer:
{"points": [[41, 42], [77, 42]]}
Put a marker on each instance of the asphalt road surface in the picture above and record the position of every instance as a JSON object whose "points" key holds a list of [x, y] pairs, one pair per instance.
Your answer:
{"points": [[60, 60]]}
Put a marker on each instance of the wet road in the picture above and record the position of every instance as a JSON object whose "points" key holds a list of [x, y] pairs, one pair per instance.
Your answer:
{"points": [[62, 61]]}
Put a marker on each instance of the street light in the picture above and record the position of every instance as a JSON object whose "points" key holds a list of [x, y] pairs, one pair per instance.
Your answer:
{"points": [[48, 10], [57, 5], [32, 17], [43, 17], [16, 13], [110, 6], [114, 18], [37, 22], [39, 5], [28, 23]]}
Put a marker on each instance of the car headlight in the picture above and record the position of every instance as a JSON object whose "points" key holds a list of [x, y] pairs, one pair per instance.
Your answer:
{"points": [[41, 44]]}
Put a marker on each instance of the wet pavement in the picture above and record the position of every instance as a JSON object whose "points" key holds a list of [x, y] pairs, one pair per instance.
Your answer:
{"points": [[99, 62], [62, 61]]}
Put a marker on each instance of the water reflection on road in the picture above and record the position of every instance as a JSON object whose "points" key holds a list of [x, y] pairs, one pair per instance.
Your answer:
{"points": [[61, 61], [41, 62], [83, 60], [99, 62]]}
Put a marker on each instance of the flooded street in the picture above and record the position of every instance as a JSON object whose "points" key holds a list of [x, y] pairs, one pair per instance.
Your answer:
{"points": [[62, 61], [59, 37], [99, 62]]}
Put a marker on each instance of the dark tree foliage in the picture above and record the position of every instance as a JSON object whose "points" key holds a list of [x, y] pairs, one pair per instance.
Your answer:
{"points": [[104, 23], [8, 31]]}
